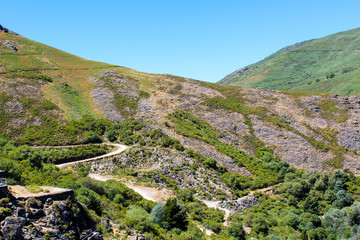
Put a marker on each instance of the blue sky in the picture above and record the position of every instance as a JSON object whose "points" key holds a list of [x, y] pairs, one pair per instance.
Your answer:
{"points": [[200, 39]]}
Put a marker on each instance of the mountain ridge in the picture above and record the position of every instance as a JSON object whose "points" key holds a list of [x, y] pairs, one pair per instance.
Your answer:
{"points": [[326, 64]]}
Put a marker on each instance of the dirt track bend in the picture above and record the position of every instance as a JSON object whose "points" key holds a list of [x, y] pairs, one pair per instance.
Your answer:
{"points": [[119, 148]]}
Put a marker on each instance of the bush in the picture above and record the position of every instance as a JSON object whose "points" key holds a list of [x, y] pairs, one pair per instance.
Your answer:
{"points": [[92, 137], [236, 230], [186, 195]]}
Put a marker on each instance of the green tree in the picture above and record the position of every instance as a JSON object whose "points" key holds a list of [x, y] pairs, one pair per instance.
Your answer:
{"points": [[311, 205], [343, 199], [175, 215], [158, 214], [236, 230]]}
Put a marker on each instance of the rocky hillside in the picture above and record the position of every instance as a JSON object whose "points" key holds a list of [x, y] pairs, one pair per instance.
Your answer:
{"points": [[42, 86], [198, 140], [45, 219], [327, 64]]}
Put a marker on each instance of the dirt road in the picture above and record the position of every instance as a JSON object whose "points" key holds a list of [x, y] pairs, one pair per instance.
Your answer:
{"points": [[149, 193], [118, 149]]}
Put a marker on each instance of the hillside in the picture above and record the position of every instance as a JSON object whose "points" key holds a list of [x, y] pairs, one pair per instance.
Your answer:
{"points": [[199, 140], [327, 65]]}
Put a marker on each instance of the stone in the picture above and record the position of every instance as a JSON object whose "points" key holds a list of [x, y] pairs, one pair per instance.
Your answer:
{"points": [[10, 45], [11, 227]]}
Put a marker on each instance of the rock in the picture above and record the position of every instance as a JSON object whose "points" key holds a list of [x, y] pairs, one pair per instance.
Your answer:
{"points": [[240, 204], [10, 44], [242, 71], [11, 227], [48, 202], [14, 106], [20, 212], [108, 73]]}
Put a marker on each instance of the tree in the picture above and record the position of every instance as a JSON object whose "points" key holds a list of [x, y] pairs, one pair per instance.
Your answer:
{"points": [[291, 220], [236, 230], [308, 217], [175, 215], [111, 135], [259, 224], [311, 205], [343, 199], [139, 218], [158, 214]]}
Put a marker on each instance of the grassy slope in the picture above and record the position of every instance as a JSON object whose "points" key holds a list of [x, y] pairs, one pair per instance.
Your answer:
{"points": [[63, 68], [306, 67]]}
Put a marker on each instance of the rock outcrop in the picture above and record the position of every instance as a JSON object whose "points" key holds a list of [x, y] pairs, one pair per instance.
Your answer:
{"points": [[36, 219]]}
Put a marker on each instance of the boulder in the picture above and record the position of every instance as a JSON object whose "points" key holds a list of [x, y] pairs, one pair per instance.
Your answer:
{"points": [[11, 227]]}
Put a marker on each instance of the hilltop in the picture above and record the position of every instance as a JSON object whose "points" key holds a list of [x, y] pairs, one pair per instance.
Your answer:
{"points": [[327, 65]]}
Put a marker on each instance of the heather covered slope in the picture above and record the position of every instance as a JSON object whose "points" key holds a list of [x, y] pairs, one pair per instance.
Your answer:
{"points": [[328, 65]]}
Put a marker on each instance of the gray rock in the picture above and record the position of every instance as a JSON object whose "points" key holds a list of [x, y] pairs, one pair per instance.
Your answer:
{"points": [[240, 204], [10, 44], [11, 227]]}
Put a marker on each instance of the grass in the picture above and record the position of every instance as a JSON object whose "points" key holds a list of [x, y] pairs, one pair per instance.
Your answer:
{"points": [[324, 65], [34, 189]]}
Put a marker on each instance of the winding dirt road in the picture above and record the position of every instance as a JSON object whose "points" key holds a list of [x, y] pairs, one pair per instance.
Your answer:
{"points": [[149, 193], [119, 148]]}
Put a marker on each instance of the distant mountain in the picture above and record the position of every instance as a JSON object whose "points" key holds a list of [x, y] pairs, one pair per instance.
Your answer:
{"points": [[329, 65]]}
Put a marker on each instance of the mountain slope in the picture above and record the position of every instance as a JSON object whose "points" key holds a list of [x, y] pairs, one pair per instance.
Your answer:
{"points": [[328, 64], [198, 140], [42, 88]]}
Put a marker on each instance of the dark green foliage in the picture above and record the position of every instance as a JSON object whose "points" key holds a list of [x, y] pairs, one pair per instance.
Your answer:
{"points": [[311, 205], [21, 74], [92, 137], [56, 155], [13, 171], [87, 129], [292, 220], [140, 219], [237, 231], [111, 135], [343, 199], [175, 215], [126, 106], [186, 195], [90, 199], [143, 94], [259, 224], [309, 217]]}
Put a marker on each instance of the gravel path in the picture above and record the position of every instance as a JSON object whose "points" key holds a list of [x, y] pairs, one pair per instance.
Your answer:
{"points": [[119, 148], [149, 193]]}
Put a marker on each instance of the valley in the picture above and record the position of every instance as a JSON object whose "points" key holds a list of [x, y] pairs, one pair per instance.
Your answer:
{"points": [[156, 156]]}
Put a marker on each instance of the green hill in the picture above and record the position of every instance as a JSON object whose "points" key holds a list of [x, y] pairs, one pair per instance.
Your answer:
{"points": [[195, 140], [329, 64]]}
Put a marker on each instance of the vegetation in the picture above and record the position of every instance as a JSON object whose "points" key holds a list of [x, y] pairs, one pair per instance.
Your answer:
{"points": [[323, 65], [302, 205], [267, 168]]}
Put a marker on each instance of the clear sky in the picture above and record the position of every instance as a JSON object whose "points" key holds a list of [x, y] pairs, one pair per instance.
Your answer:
{"points": [[200, 39]]}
